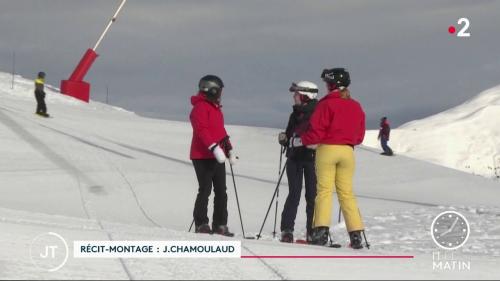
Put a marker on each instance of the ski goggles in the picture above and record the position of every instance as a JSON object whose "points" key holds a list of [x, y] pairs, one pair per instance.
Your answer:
{"points": [[296, 88]]}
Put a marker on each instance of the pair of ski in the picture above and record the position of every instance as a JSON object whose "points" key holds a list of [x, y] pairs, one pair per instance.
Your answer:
{"points": [[329, 244]]}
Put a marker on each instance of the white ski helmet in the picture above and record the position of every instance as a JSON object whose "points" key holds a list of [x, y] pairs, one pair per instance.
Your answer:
{"points": [[306, 88]]}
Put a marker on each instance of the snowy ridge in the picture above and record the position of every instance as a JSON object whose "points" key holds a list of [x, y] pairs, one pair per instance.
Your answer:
{"points": [[23, 90], [97, 173], [466, 137]]}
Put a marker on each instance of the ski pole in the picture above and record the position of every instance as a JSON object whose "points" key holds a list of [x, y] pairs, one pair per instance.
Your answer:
{"points": [[191, 226], [340, 218], [271, 203], [364, 235], [282, 150], [238, 203], [276, 212], [366, 241], [277, 194]]}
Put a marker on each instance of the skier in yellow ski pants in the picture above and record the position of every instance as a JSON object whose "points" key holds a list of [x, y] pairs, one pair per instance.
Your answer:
{"points": [[334, 170], [335, 127]]}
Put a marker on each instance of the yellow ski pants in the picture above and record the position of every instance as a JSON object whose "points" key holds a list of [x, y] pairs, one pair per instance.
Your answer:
{"points": [[335, 170]]}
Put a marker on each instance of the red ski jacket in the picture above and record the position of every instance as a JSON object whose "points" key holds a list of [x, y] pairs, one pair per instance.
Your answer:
{"points": [[207, 121], [385, 130], [336, 121]]}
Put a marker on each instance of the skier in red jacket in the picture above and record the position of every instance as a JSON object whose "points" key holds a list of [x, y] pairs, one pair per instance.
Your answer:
{"points": [[336, 126], [383, 136], [210, 147]]}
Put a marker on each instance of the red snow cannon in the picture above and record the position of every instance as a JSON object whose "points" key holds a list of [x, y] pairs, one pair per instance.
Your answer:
{"points": [[75, 86]]}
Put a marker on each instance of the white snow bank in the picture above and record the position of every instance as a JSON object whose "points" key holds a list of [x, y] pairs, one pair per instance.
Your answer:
{"points": [[466, 137]]}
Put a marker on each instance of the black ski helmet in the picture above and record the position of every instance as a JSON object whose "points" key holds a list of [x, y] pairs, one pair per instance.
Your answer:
{"points": [[211, 85], [337, 76], [41, 74]]}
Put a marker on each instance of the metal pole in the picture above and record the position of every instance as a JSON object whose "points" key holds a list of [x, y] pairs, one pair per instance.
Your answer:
{"points": [[109, 24], [271, 203], [276, 212], [281, 159], [238, 203], [191, 226], [107, 94], [364, 235], [282, 150], [366, 241]]}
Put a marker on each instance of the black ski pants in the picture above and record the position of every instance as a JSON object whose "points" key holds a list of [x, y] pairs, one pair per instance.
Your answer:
{"points": [[40, 102], [209, 172], [296, 171]]}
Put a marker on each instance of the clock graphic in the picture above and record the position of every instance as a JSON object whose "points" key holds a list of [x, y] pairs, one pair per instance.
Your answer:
{"points": [[450, 230]]}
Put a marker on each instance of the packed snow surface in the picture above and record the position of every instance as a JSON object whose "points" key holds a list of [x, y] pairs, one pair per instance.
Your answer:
{"points": [[97, 172]]}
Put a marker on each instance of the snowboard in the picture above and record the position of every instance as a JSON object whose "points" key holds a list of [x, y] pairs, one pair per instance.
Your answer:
{"points": [[44, 116]]}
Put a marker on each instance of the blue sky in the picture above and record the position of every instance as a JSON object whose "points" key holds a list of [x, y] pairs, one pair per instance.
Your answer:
{"points": [[403, 63]]}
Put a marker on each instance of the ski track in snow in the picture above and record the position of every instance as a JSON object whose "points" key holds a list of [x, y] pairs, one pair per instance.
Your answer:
{"points": [[100, 169], [64, 165]]}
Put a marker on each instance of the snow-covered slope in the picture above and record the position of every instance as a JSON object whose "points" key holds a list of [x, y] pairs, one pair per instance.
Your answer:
{"points": [[95, 172], [466, 137]]}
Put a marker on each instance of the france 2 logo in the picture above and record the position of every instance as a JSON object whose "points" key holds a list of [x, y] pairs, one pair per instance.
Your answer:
{"points": [[463, 32]]}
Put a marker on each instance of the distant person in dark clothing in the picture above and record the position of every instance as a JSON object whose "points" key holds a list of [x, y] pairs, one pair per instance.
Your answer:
{"points": [[41, 107], [300, 163], [383, 136]]}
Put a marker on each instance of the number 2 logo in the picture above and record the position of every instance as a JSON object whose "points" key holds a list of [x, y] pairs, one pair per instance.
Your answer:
{"points": [[466, 24]]}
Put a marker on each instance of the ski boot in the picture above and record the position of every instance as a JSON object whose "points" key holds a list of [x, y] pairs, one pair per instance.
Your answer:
{"points": [[223, 230], [356, 240], [320, 235], [204, 228], [287, 236]]}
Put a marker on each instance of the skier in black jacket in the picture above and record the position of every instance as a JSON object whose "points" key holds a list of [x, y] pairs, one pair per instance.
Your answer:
{"points": [[300, 162], [41, 107]]}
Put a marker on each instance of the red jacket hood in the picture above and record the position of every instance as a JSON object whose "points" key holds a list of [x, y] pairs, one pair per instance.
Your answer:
{"points": [[335, 94], [200, 97]]}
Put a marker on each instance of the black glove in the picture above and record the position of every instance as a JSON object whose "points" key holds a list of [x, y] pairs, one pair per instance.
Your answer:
{"points": [[282, 138]]}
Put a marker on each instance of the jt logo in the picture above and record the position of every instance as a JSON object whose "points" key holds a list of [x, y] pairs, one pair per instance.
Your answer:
{"points": [[49, 251], [52, 251]]}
